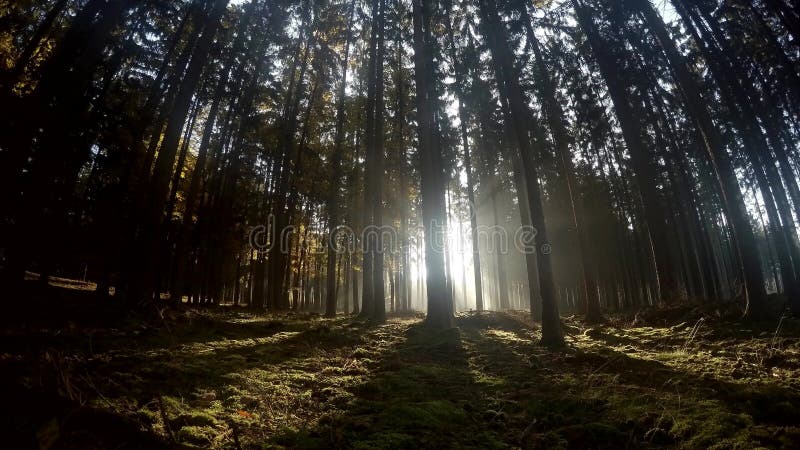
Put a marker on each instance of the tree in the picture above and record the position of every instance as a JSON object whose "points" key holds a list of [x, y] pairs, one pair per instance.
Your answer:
{"points": [[336, 163], [731, 195], [432, 188], [520, 116]]}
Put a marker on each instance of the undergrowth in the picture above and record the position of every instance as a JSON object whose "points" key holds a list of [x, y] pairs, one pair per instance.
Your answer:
{"points": [[232, 379]]}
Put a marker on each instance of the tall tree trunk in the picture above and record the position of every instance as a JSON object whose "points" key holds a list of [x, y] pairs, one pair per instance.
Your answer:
{"points": [[561, 138], [658, 243], [400, 121], [500, 256], [336, 163], [159, 184], [463, 117], [432, 189], [733, 201], [376, 188], [277, 295], [521, 119], [369, 272]]}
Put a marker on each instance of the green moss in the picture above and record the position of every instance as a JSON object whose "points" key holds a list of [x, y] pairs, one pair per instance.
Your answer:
{"points": [[146, 416], [486, 379], [413, 382], [440, 414], [305, 382], [172, 405], [195, 418], [195, 435], [708, 424], [361, 353]]}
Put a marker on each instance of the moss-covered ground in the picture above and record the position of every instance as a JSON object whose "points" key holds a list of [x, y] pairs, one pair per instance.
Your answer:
{"points": [[231, 379]]}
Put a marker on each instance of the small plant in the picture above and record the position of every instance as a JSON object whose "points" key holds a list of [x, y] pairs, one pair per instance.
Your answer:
{"points": [[693, 333]]}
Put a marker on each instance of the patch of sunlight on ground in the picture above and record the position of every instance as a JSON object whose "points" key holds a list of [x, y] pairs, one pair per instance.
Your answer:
{"points": [[219, 379]]}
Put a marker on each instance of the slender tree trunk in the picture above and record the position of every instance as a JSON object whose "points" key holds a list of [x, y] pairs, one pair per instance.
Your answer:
{"points": [[368, 297], [521, 119], [378, 289], [348, 272], [561, 138], [276, 295], [336, 163], [463, 117], [658, 243], [159, 184], [733, 201], [500, 256]]}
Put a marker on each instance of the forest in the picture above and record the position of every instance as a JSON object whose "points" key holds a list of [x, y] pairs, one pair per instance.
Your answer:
{"points": [[534, 224]]}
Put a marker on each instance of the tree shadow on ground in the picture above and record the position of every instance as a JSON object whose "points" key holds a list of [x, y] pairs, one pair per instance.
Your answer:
{"points": [[306, 382], [591, 395], [488, 385], [78, 320], [421, 394], [60, 384]]}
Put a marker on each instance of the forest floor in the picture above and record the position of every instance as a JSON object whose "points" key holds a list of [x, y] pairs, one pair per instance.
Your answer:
{"points": [[226, 378]]}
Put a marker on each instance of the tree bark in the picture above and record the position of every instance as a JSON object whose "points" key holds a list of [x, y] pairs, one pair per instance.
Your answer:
{"points": [[159, 184], [522, 118], [336, 163], [561, 138], [440, 310]]}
